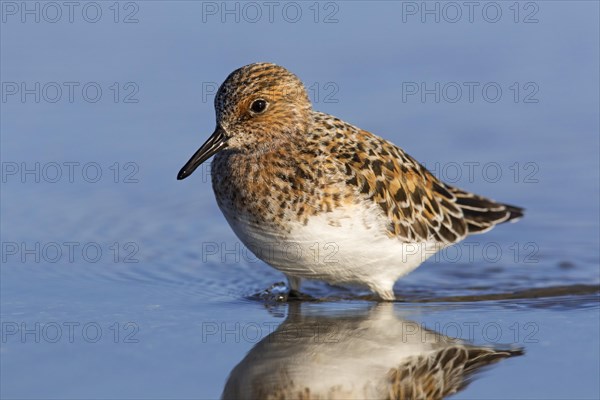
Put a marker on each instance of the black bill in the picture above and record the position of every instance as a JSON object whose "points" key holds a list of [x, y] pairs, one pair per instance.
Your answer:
{"points": [[216, 142]]}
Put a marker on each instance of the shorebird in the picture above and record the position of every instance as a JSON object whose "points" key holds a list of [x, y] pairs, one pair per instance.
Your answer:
{"points": [[318, 198]]}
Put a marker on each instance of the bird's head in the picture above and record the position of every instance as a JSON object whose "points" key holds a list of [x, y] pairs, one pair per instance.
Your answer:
{"points": [[258, 106]]}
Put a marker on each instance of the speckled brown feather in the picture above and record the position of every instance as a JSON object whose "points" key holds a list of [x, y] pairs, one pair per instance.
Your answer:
{"points": [[418, 206]]}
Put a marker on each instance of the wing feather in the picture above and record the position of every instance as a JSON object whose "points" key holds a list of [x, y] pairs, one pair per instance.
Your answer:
{"points": [[419, 206]]}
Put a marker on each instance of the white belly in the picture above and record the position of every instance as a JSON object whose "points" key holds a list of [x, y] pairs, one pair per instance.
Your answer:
{"points": [[348, 245]]}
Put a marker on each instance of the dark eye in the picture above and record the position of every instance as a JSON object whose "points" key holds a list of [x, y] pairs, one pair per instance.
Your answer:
{"points": [[258, 106]]}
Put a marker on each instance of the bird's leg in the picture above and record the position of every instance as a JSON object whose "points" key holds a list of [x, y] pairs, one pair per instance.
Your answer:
{"points": [[294, 293], [384, 290], [294, 286], [387, 295]]}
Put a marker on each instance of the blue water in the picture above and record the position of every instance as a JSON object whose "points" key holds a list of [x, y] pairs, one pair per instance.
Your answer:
{"points": [[130, 284]]}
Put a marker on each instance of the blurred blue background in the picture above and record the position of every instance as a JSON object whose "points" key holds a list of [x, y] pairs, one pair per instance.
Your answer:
{"points": [[534, 143]]}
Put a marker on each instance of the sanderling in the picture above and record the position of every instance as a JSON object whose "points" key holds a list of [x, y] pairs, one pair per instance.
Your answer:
{"points": [[318, 198]]}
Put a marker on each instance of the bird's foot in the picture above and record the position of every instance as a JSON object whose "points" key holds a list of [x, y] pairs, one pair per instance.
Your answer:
{"points": [[296, 295], [276, 293], [279, 293]]}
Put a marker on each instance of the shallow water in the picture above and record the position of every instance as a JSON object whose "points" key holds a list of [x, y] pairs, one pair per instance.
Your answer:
{"points": [[133, 286]]}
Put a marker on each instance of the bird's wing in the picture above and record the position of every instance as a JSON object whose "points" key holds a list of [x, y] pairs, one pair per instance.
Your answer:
{"points": [[419, 206]]}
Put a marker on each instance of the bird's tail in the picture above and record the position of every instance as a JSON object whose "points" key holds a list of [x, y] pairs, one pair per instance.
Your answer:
{"points": [[483, 214]]}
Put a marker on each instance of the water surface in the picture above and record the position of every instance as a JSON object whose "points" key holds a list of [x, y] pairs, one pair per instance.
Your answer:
{"points": [[171, 307]]}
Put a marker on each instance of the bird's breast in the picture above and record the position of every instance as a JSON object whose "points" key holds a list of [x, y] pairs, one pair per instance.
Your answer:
{"points": [[247, 193], [276, 188]]}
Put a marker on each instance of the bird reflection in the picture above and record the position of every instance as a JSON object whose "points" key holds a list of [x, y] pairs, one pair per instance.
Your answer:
{"points": [[370, 354]]}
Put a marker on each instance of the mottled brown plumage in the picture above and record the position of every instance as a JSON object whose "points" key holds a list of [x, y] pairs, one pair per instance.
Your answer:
{"points": [[279, 166]]}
